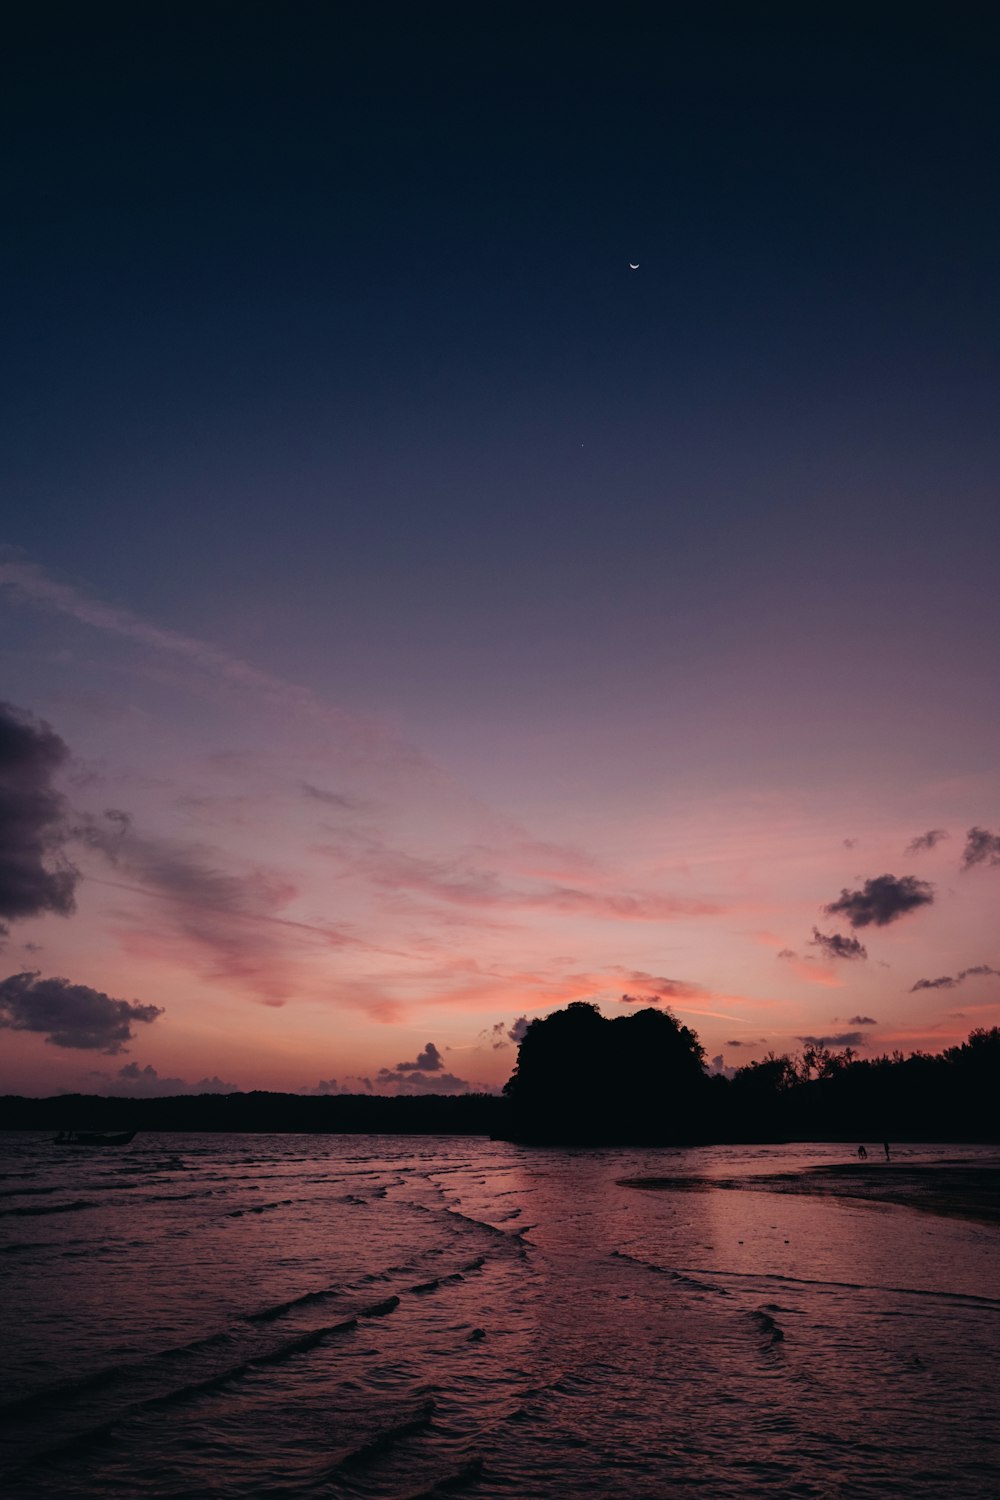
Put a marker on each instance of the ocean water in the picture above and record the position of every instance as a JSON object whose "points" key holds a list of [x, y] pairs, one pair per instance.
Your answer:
{"points": [[394, 1317]]}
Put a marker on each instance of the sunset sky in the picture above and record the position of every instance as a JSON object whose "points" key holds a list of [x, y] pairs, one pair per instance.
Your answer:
{"points": [[436, 620]]}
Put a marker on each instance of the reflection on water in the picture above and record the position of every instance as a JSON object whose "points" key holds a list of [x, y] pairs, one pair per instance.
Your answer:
{"points": [[391, 1317]]}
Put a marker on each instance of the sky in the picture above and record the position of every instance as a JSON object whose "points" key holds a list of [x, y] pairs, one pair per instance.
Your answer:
{"points": [[412, 618]]}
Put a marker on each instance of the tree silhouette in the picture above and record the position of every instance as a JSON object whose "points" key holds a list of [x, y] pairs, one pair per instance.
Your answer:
{"points": [[582, 1078]]}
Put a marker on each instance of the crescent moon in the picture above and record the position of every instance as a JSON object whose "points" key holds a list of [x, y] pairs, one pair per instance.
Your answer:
{"points": [[633, 267]]}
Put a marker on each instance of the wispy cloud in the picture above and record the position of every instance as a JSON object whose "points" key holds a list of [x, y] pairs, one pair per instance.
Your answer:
{"points": [[225, 925], [952, 981], [25, 582], [926, 841]]}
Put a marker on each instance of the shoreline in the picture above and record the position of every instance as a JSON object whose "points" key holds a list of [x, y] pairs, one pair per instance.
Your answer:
{"points": [[957, 1190]]}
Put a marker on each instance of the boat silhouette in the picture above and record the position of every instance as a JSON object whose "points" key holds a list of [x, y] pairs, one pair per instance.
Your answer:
{"points": [[93, 1138]]}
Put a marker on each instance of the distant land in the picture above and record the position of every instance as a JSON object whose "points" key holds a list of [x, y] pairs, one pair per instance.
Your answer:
{"points": [[582, 1079]]}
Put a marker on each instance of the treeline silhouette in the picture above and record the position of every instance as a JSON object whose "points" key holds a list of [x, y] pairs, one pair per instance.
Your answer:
{"points": [[641, 1078], [347, 1114], [583, 1079]]}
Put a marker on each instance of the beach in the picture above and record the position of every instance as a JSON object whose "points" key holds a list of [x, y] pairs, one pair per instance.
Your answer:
{"points": [[400, 1317], [959, 1187]]}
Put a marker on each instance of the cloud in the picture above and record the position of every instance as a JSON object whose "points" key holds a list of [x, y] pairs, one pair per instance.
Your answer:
{"points": [[786, 953], [401, 1082], [834, 945], [842, 1039], [428, 1061], [881, 900], [718, 1065], [325, 1086], [863, 1021], [365, 739], [70, 1015], [925, 841], [456, 882], [497, 1035], [850, 843], [225, 926], [146, 1083], [981, 848], [947, 982], [330, 799], [32, 825], [660, 989], [502, 1035]]}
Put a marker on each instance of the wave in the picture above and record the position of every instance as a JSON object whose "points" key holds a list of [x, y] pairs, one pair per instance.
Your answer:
{"points": [[683, 1278], [374, 1449], [469, 1473], [967, 1298], [258, 1208], [34, 1210], [287, 1350]]}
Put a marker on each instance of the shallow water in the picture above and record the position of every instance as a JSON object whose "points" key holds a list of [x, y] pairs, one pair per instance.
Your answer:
{"points": [[394, 1317]]}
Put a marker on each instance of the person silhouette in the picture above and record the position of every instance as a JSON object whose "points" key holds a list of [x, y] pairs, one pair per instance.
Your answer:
{"points": [[885, 1147], [862, 1153]]}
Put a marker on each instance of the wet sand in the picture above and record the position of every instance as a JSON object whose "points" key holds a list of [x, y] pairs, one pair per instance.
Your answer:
{"points": [[958, 1189]]}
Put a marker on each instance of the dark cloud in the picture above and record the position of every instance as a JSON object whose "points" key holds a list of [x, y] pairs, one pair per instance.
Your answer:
{"points": [[925, 841], [947, 982], [981, 848], [517, 1030], [850, 843], [787, 953], [32, 820], [70, 1015], [146, 1083], [428, 1061], [881, 900], [834, 945], [842, 1039], [863, 1021]]}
